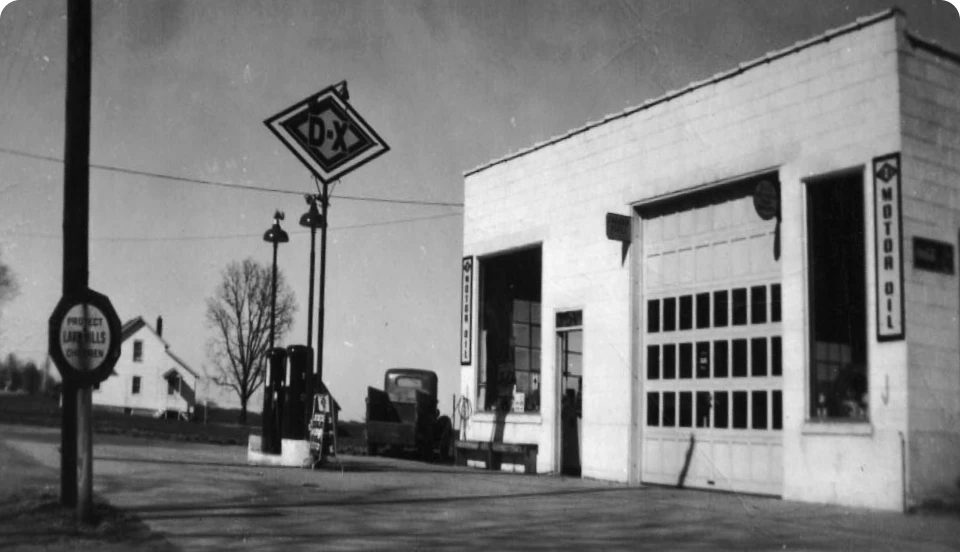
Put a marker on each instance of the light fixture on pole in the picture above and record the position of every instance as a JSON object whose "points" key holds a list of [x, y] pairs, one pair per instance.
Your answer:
{"points": [[276, 236]]}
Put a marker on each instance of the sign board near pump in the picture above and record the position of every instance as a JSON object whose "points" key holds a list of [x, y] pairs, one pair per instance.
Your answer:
{"points": [[888, 226], [327, 134]]}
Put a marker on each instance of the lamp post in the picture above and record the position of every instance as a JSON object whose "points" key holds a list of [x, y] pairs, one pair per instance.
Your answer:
{"points": [[276, 236], [270, 439], [312, 220]]}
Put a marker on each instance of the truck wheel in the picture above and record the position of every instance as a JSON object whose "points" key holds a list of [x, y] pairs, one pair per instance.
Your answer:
{"points": [[445, 438]]}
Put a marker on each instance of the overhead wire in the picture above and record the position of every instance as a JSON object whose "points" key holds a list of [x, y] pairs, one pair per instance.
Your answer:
{"points": [[215, 183], [236, 236]]}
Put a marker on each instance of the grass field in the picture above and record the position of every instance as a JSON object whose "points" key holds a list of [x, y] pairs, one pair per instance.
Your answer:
{"points": [[221, 426]]}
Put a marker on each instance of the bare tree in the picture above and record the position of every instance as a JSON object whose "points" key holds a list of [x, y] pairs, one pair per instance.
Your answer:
{"points": [[8, 284], [239, 314]]}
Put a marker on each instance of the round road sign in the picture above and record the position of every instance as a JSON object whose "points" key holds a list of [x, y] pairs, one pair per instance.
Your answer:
{"points": [[766, 200], [84, 339]]}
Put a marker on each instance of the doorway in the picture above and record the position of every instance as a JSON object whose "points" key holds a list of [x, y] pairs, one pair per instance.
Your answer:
{"points": [[570, 357]]}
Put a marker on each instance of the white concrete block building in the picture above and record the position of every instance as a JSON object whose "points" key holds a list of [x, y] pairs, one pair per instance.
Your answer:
{"points": [[779, 311]]}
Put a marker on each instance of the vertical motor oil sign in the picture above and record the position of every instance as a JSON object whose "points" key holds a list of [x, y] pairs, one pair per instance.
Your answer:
{"points": [[466, 324], [888, 225]]}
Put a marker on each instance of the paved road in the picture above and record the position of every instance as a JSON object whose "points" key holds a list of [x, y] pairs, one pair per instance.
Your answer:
{"points": [[206, 497]]}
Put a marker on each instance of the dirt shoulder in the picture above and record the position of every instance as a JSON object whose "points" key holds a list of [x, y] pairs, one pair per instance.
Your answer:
{"points": [[31, 517]]}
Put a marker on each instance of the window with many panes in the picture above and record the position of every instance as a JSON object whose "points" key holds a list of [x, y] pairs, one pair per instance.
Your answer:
{"points": [[838, 315], [508, 374], [526, 355], [680, 353], [135, 385]]}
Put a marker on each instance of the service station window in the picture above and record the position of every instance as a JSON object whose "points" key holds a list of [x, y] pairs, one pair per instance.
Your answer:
{"points": [[838, 314], [138, 350], [508, 378]]}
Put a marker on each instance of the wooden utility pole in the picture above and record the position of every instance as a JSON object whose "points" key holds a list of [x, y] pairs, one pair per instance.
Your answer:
{"points": [[76, 214]]}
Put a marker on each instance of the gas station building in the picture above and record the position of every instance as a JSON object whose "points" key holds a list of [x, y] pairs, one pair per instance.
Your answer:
{"points": [[749, 284]]}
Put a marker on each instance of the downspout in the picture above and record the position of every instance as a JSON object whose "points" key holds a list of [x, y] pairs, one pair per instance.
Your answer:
{"points": [[903, 470]]}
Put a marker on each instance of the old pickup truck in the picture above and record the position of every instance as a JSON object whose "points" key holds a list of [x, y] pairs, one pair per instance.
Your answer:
{"points": [[405, 416]]}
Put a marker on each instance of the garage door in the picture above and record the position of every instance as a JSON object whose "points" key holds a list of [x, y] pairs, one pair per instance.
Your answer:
{"points": [[712, 385]]}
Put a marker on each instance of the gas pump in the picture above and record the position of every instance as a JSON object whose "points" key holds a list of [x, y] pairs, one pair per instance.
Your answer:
{"points": [[273, 401]]}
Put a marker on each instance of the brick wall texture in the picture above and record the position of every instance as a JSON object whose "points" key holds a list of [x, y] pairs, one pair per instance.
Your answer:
{"points": [[930, 121]]}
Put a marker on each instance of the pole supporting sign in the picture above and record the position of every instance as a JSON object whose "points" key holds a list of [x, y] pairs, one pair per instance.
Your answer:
{"points": [[84, 337], [888, 226], [466, 312], [327, 134]]}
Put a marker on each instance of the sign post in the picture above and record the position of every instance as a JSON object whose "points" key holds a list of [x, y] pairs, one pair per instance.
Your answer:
{"points": [[331, 139], [84, 343]]}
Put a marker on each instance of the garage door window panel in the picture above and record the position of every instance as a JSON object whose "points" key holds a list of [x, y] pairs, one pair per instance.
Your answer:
{"points": [[669, 361], [670, 314], [721, 306], [653, 316]]}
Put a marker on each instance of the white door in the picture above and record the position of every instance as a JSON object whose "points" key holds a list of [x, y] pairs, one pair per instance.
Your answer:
{"points": [[711, 339]]}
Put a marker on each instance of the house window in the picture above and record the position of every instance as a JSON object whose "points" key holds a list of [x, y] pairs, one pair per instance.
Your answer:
{"points": [[838, 314], [136, 385], [138, 351], [173, 384]]}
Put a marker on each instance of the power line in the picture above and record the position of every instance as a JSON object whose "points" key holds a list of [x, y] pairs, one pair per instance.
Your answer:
{"points": [[236, 236], [214, 183]]}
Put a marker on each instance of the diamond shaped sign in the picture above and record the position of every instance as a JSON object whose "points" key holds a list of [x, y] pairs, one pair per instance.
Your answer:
{"points": [[327, 135]]}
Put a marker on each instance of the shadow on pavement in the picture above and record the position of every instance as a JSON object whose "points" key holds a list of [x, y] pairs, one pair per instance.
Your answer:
{"points": [[375, 498]]}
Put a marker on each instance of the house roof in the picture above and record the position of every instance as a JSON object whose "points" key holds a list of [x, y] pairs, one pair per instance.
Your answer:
{"points": [[860, 23], [132, 326], [182, 363]]}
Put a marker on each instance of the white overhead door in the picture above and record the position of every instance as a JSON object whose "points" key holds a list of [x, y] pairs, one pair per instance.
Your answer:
{"points": [[712, 378]]}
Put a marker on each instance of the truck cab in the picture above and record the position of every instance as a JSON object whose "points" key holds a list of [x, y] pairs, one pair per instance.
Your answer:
{"points": [[404, 414]]}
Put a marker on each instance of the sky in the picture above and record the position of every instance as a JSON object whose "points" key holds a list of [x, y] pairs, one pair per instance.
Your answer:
{"points": [[181, 88]]}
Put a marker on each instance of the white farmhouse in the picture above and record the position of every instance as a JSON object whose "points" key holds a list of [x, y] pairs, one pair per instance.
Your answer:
{"points": [[148, 379]]}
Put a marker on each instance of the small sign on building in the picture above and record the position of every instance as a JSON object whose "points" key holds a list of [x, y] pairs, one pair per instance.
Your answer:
{"points": [[888, 226], [932, 255], [619, 228]]}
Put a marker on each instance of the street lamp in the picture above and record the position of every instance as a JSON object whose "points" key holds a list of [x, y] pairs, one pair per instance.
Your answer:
{"points": [[272, 401], [312, 220], [276, 236]]}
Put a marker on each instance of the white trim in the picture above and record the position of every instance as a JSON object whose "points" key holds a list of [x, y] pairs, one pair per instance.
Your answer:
{"points": [[837, 428], [530, 418]]}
